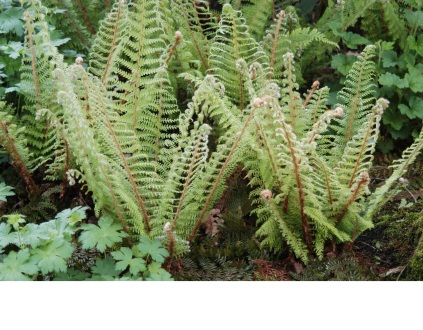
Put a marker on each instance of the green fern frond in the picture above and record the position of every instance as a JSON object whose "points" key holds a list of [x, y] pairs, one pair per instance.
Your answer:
{"points": [[232, 43], [105, 44], [358, 98]]}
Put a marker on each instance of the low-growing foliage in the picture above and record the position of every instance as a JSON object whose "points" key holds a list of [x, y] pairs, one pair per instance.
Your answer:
{"points": [[167, 110]]}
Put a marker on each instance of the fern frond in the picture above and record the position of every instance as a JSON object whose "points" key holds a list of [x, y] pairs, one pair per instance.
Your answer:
{"points": [[195, 21], [105, 44], [382, 194], [357, 97], [232, 43], [12, 140]]}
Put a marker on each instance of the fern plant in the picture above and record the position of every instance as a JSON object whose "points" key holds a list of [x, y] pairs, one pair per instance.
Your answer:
{"points": [[313, 164], [157, 163]]}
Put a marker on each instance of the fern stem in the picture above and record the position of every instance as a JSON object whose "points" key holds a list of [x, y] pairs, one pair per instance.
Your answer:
{"points": [[363, 181], [17, 161], [178, 38], [126, 166], [220, 175], [187, 181], [84, 14], [267, 146], [296, 162], [33, 57], [113, 45], [364, 142], [314, 87], [193, 39], [74, 25], [275, 43]]}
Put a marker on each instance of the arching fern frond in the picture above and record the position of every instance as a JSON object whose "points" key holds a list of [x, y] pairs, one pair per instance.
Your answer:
{"points": [[232, 43]]}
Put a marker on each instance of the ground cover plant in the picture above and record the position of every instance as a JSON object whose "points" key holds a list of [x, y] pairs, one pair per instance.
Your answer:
{"points": [[185, 132]]}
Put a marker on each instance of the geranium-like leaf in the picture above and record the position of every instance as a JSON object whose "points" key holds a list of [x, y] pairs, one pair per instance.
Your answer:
{"points": [[124, 258], [160, 276], [105, 235], [71, 275], [389, 79], [17, 265], [5, 191], [6, 237], [29, 235], [53, 256], [153, 248], [73, 215], [415, 78], [104, 270]]}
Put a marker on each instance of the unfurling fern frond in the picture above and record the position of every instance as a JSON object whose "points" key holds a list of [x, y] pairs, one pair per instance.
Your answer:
{"points": [[286, 35]]}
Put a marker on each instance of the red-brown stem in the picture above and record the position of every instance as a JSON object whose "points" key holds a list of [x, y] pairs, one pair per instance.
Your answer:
{"points": [[17, 160], [113, 47], [126, 166], [362, 150], [311, 92], [295, 162], [33, 59], [67, 162], [351, 200], [187, 183], [178, 38], [74, 25], [171, 248], [87, 20], [275, 43], [219, 176], [203, 57]]}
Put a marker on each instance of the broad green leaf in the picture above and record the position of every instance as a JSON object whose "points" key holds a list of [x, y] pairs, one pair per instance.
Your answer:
{"points": [[5, 191], [105, 235], [389, 79], [16, 266], [414, 18], [153, 248], [391, 118], [416, 44], [343, 63], [352, 40], [15, 220], [6, 237], [124, 258], [159, 277], [11, 21], [71, 275], [389, 58], [415, 108], [415, 79], [104, 270], [53, 257], [30, 235], [73, 215], [13, 49]]}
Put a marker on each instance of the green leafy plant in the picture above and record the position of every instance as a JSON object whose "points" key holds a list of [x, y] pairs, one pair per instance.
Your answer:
{"points": [[46, 249], [169, 107], [5, 191]]}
